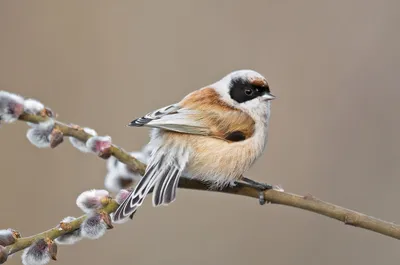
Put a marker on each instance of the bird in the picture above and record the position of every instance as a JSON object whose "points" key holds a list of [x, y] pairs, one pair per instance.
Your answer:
{"points": [[214, 134]]}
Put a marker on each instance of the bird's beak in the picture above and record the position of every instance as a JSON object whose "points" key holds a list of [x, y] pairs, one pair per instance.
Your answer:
{"points": [[268, 96]]}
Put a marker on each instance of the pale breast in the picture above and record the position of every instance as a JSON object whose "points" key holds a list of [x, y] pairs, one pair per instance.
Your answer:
{"points": [[215, 160]]}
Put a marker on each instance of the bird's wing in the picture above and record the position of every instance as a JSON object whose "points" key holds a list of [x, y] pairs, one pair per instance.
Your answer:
{"points": [[174, 118]]}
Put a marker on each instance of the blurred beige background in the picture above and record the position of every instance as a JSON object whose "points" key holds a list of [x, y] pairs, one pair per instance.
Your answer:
{"points": [[334, 65]]}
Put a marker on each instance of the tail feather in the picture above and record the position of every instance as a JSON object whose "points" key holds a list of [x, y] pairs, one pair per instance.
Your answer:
{"points": [[137, 196], [163, 189], [162, 173], [170, 189]]}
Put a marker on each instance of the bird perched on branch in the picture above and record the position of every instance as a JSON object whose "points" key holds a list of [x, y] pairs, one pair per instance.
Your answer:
{"points": [[213, 134]]}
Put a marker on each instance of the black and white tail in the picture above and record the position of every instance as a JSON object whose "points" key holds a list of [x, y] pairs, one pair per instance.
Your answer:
{"points": [[162, 174]]}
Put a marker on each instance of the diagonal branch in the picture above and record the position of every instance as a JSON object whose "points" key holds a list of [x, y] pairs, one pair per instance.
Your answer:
{"points": [[307, 202]]}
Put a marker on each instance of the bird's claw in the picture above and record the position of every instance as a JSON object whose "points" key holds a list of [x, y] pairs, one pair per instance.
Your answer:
{"points": [[261, 197], [261, 187]]}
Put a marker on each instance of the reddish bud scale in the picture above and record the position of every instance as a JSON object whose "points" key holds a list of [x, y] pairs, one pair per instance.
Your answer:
{"points": [[100, 145], [52, 248], [56, 138], [46, 112], [107, 220], [65, 226], [16, 233]]}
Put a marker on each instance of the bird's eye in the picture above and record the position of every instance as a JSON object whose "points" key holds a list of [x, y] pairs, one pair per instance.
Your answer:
{"points": [[248, 92]]}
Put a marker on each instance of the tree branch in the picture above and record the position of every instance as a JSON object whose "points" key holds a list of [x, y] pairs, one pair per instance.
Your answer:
{"points": [[307, 202]]}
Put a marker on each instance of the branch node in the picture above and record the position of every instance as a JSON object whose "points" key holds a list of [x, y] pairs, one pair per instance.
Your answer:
{"points": [[350, 219], [105, 200], [47, 112], [74, 232], [76, 127], [16, 234], [309, 197], [65, 226]]}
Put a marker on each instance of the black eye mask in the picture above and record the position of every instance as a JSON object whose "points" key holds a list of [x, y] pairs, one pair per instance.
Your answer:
{"points": [[242, 91]]}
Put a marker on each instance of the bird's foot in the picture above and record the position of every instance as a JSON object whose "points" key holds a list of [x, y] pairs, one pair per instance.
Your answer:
{"points": [[259, 186]]}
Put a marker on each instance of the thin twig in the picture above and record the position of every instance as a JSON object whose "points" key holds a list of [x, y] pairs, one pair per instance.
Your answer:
{"points": [[308, 202]]}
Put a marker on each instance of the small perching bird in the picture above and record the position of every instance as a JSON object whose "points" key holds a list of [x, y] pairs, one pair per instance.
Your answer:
{"points": [[213, 134]]}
